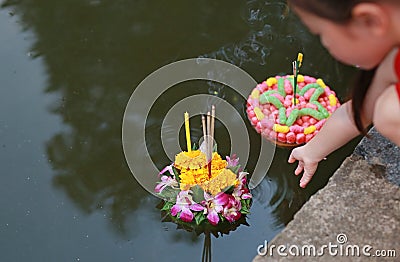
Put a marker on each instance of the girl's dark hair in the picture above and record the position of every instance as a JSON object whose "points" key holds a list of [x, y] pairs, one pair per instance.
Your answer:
{"points": [[339, 11], [363, 81]]}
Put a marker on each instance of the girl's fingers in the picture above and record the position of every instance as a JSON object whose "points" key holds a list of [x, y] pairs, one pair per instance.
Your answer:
{"points": [[292, 159], [299, 168], [305, 179], [308, 174]]}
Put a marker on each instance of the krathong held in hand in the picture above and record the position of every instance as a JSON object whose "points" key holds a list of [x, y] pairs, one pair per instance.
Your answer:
{"points": [[201, 188]]}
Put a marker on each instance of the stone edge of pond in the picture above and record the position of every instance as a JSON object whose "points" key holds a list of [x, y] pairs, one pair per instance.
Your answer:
{"points": [[361, 200]]}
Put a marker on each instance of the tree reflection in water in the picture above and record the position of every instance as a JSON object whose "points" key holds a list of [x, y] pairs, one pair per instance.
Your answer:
{"points": [[96, 52]]}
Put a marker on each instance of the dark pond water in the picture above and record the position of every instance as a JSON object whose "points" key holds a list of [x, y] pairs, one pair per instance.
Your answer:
{"points": [[67, 71]]}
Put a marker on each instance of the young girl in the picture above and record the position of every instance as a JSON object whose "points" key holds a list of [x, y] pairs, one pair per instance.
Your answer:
{"points": [[365, 33]]}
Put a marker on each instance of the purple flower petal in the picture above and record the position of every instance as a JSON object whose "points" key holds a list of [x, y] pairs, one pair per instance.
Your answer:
{"points": [[232, 216], [207, 197], [167, 168], [232, 161], [213, 218], [218, 209], [196, 207], [242, 175], [221, 199], [186, 215], [160, 187], [246, 196], [175, 209]]}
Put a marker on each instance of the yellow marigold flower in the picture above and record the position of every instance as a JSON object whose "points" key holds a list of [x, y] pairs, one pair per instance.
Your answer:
{"points": [[193, 176], [190, 160], [224, 179], [217, 162], [184, 187], [194, 171]]}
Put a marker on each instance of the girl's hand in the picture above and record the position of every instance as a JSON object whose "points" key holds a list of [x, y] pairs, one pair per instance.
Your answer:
{"points": [[306, 164]]}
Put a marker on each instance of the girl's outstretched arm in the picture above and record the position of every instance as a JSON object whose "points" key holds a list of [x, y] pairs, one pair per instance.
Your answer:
{"points": [[340, 128], [337, 131]]}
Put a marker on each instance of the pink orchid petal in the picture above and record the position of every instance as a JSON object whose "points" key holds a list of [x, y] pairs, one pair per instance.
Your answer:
{"points": [[164, 178], [233, 216], [246, 196], [196, 207], [167, 168], [160, 187], [186, 215], [213, 218], [218, 209], [175, 209], [242, 175], [221, 199], [232, 161], [207, 197]]}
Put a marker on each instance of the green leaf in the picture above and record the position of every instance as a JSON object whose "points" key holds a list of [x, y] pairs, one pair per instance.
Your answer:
{"points": [[228, 189], [244, 211], [169, 194], [167, 206], [176, 173], [198, 193], [194, 146], [245, 207], [199, 217], [235, 169]]}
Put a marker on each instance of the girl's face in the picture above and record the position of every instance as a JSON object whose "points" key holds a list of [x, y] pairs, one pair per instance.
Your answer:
{"points": [[350, 43]]}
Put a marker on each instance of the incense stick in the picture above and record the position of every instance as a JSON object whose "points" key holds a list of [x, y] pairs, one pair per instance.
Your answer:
{"points": [[294, 81], [212, 127], [208, 135], [203, 122], [208, 150]]}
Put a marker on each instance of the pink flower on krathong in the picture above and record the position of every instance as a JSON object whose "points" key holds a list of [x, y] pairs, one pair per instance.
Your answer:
{"points": [[166, 181], [169, 169], [232, 209], [241, 191], [214, 206], [232, 161], [185, 204]]}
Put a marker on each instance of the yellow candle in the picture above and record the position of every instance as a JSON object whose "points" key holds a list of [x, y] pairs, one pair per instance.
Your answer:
{"points": [[300, 59], [188, 142]]}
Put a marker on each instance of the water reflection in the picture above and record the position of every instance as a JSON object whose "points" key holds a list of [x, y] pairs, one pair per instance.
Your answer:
{"points": [[96, 52], [92, 65]]}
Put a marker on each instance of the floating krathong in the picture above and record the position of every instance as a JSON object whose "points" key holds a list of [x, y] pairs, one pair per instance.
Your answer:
{"points": [[290, 110], [201, 188]]}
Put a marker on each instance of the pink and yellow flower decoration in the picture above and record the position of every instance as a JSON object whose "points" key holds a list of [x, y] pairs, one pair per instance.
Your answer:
{"points": [[199, 192]]}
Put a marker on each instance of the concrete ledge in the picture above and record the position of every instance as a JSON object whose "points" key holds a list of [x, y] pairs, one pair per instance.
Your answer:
{"points": [[361, 200]]}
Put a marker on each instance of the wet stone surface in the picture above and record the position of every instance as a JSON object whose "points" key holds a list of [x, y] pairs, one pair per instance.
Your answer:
{"points": [[360, 204], [382, 155]]}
